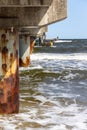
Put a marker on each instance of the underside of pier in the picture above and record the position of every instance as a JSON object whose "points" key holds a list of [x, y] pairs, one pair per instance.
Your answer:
{"points": [[20, 20]]}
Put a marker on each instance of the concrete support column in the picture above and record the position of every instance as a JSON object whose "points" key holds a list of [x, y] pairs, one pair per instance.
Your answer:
{"points": [[9, 78], [24, 50]]}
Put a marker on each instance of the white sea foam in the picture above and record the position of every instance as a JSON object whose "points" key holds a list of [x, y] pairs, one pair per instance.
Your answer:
{"points": [[59, 110], [30, 68], [74, 56], [56, 117]]}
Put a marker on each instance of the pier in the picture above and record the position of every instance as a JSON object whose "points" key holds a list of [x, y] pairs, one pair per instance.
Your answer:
{"points": [[20, 20]]}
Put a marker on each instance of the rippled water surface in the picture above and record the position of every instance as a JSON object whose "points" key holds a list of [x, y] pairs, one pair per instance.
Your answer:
{"points": [[53, 90]]}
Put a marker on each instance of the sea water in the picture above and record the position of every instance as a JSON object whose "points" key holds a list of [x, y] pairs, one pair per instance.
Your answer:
{"points": [[53, 90]]}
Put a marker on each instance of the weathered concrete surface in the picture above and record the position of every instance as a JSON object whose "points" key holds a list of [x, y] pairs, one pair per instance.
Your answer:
{"points": [[57, 11], [34, 30], [19, 13], [24, 2]]}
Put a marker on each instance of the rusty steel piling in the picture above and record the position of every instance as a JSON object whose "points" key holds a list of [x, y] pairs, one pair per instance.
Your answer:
{"points": [[9, 77]]}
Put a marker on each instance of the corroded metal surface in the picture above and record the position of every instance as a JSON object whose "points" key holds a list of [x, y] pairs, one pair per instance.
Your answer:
{"points": [[9, 79], [24, 50]]}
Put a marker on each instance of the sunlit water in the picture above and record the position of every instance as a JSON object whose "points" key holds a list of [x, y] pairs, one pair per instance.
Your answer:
{"points": [[53, 90]]}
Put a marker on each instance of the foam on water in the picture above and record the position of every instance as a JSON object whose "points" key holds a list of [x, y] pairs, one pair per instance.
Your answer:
{"points": [[52, 94], [53, 114], [30, 68], [74, 56], [49, 114]]}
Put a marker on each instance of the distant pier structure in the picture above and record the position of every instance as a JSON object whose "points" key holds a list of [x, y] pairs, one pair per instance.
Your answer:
{"points": [[19, 21]]}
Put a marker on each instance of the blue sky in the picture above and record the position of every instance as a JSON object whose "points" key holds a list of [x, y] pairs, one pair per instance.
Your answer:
{"points": [[75, 25]]}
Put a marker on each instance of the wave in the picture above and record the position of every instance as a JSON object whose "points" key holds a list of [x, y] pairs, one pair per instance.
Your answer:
{"points": [[41, 75], [52, 56]]}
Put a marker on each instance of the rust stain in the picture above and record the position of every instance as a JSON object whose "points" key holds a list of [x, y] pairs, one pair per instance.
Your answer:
{"points": [[4, 50], [9, 95], [4, 54], [24, 47], [31, 45], [14, 45], [24, 64], [27, 61], [4, 68], [11, 57], [3, 39], [9, 84]]}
